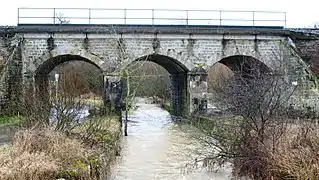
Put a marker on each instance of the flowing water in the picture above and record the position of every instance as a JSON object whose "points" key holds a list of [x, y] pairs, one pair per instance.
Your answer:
{"points": [[158, 148]]}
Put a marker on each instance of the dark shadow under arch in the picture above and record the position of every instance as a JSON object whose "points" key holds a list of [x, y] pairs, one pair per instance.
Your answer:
{"points": [[245, 65], [237, 67], [172, 65], [47, 66]]}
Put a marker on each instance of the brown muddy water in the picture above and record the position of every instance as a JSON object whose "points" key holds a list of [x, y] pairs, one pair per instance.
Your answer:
{"points": [[158, 148]]}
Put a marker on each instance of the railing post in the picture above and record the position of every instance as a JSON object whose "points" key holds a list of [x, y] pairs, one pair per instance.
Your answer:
{"points": [[53, 15], [153, 17], [253, 18], [124, 16], [285, 20], [187, 17], [220, 18], [89, 16], [18, 15]]}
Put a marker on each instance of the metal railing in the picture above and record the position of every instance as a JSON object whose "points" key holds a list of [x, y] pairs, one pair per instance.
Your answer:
{"points": [[150, 17]]}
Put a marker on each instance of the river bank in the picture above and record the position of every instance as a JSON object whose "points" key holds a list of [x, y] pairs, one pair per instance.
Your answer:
{"points": [[44, 153]]}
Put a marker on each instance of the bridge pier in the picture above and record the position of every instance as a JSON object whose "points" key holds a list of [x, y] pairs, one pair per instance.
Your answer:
{"points": [[107, 106], [180, 95], [198, 91], [113, 92]]}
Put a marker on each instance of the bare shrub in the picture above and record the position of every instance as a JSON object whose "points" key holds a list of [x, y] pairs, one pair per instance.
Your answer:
{"points": [[35, 166], [42, 154], [258, 101], [297, 154], [62, 108], [45, 153]]}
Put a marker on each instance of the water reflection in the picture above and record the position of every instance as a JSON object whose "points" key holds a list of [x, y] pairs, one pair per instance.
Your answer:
{"points": [[157, 148]]}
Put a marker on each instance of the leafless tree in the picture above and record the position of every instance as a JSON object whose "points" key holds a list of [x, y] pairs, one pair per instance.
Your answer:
{"points": [[258, 101], [60, 18], [129, 70]]}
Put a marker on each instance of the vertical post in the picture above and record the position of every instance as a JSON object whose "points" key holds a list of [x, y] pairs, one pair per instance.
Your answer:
{"points": [[18, 15], [56, 77], [89, 16], [53, 15], [187, 17], [253, 18], [124, 16], [153, 17], [285, 19], [220, 18], [33, 87], [107, 107]]}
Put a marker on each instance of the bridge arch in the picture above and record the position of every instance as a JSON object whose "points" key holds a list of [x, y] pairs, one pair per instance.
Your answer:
{"points": [[179, 81], [52, 59], [245, 64], [173, 66], [60, 55], [238, 65]]}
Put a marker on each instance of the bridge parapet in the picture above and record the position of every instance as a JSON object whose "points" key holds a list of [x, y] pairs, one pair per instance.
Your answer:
{"points": [[149, 16]]}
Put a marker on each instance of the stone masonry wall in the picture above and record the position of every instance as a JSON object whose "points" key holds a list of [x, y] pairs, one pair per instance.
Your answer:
{"points": [[309, 52], [306, 52], [10, 76], [186, 49], [3, 84]]}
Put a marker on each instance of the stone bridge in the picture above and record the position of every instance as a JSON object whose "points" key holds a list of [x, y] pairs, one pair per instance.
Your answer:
{"points": [[32, 51]]}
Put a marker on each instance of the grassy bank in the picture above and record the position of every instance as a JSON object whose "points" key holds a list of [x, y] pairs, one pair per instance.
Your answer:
{"points": [[86, 152], [167, 107], [10, 120]]}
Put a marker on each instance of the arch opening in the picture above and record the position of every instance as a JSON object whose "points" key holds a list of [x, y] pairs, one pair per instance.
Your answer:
{"points": [[238, 66], [245, 66], [177, 74], [69, 80], [150, 80], [172, 65], [233, 75], [47, 66]]}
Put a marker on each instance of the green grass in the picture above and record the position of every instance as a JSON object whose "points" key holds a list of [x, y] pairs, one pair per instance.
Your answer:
{"points": [[167, 107], [93, 102], [11, 120]]}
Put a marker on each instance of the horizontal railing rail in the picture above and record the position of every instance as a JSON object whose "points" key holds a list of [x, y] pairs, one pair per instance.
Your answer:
{"points": [[149, 16]]}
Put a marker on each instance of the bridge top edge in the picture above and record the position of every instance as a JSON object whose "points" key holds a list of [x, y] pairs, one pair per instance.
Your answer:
{"points": [[160, 29], [154, 29]]}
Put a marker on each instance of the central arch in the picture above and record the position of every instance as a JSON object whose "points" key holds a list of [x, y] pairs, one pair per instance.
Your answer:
{"points": [[172, 65], [179, 84]]}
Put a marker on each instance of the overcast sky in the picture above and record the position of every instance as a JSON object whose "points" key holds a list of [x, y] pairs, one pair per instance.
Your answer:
{"points": [[299, 13]]}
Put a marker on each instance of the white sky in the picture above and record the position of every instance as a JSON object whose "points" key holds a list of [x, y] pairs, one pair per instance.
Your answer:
{"points": [[299, 13]]}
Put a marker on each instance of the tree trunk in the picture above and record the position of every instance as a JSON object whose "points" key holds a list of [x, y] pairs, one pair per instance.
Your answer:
{"points": [[125, 123], [127, 103]]}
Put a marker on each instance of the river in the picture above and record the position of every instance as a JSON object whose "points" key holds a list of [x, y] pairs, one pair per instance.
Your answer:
{"points": [[158, 148]]}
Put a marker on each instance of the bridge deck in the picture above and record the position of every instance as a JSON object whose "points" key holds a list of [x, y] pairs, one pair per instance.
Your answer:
{"points": [[162, 29], [301, 33]]}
